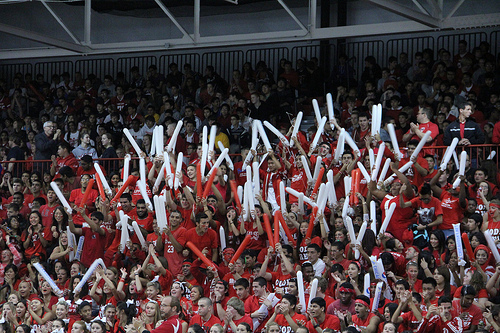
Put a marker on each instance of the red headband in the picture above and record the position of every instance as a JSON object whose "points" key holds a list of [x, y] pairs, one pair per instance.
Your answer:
{"points": [[347, 290], [360, 301], [494, 205]]}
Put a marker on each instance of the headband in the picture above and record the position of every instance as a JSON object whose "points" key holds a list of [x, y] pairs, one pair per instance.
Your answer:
{"points": [[360, 301], [495, 205], [346, 290]]}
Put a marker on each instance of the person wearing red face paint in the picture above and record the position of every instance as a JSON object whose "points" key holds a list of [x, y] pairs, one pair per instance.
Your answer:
{"points": [[491, 221]]}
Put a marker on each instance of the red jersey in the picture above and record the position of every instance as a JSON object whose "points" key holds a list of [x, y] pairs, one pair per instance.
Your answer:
{"points": [[402, 217], [452, 211], [207, 240], [69, 160], [412, 173], [47, 213], [173, 257], [362, 324], [330, 321], [93, 246], [206, 325], [35, 244], [298, 180], [427, 212], [76, 197], [285, 326]]}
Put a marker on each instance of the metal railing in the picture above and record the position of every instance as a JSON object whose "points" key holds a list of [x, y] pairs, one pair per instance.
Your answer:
{"points": [[475, 152]]}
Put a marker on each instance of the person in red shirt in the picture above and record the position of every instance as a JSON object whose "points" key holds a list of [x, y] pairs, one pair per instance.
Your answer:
{"points": [[419, 169], [36, 192], [205, 317], [237, 271], [453, 203], [76, 197], [431, 171], [362, 131], [319, 320], [464, 308], [412, 314], [417, 132], [364, 319], [66, 158], [281, 277], [94, 242], [172, 241], [48, 209], [37, 237], [428, 208], [439, 318], [286, 316], [204, 237], [235, 314]]}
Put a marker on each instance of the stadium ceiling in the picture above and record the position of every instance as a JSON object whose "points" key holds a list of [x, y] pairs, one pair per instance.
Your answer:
{"points": [[72, 36]]}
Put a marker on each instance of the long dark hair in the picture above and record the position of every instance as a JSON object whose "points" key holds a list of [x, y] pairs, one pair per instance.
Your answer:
{"points": [[129, 310], [64, 221], [439, 234]]}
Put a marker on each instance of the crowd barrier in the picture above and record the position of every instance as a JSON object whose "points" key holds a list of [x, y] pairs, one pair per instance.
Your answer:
{"points": [[476, 152], [226, 61]]}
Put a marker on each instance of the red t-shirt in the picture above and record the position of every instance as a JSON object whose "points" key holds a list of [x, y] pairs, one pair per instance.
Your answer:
{"points": [[76, 198], [206, 325], [47, 213], [473, 314], [330, 321], [208, 240], [427, 212], [362, 324], [298, 182], [173, 257], [280, 280], [245, 319], [285, 327], [412, 173], [93, 246], [402, 217], [35, 244], [452, 211]]}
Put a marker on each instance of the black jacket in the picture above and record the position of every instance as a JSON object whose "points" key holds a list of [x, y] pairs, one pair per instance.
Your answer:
{"points": [[472, 132]]}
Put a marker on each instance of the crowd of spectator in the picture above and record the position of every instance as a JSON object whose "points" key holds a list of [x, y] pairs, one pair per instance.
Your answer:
{"points": [[55, 132]]}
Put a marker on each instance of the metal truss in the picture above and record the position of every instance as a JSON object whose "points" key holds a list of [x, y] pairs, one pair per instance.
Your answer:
{"points": [[428, 16]]}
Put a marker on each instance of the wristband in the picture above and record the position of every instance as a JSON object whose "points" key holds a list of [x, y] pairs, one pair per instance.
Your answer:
{"points": [[167, 188], [218, 302]]}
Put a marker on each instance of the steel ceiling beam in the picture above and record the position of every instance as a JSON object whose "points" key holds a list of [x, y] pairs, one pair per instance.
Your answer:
{"points": [[87, 22], [30, 35], [436, 11], [173, 19], [196, 20], [419, 6], [406, 12], [455, 8], [292, 15], [60, 21]]}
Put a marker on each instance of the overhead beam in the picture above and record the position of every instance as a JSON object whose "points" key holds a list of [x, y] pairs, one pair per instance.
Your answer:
{"points": [[436, 11], [388, 28], [30, 35], [406, 12], [173, 19], [455, 8], [419, 6], [59, 20], [292, 15], [87, 22], [196, 20]]}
